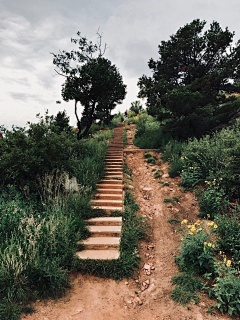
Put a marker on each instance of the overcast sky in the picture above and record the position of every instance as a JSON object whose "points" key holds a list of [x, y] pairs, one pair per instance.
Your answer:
{"points": [[132, 29]]}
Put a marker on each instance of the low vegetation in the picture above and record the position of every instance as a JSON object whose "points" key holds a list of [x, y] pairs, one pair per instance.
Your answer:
{"points": [[209, 249], [41, 215]]}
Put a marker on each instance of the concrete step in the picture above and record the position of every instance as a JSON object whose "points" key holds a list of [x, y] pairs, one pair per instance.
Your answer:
{"points": [[107, 196], [107, 203], [98, 254], [114, 166], [105, 221], [105, 231], [108, 210], [110, 191], [104, 187], [109, 181], [114, 169], [113, 173], [112, 163], [101, 243]]}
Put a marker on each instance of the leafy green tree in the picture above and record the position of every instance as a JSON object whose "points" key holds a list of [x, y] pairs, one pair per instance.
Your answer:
{"points": [[136, 107], [194, 70], [91, 80], [60, 123]]}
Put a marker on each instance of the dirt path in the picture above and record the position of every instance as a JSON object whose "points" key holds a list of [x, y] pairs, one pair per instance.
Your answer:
{"points": [[148, 296]]}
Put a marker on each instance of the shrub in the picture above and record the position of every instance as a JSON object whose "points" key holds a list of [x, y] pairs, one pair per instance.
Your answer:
{"points": [[186, 288], [212, 202], [226, 289], [228, 237], [215, 157], [196, 250]]}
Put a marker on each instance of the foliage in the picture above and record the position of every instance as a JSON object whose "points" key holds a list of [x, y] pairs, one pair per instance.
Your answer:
{"points": [[158, 174], [212, 202], [227, 288], [136, 107], [186, 287], [149, 132], [90, 80], [185, 88], [214, 157], [228, 237], [196, 249], [167, 200], [38, 239]]}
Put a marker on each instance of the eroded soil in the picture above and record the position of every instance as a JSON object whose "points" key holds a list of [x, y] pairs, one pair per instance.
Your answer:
{"points": [[147, 296]]}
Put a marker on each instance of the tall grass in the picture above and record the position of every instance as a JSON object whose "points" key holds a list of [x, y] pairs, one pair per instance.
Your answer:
{"points": [[149, 132], [38, 239]]}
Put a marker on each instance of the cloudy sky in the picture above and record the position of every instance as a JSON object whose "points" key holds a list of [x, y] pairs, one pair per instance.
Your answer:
{"points": [[132, 29]]}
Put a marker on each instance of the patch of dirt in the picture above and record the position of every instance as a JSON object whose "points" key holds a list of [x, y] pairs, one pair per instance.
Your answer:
{"points": [[147, 296]]}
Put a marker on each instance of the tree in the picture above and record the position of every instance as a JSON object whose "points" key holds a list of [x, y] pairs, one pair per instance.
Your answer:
{"points": [[136, 106], [91, 80], [60, 123], [194, 68]]}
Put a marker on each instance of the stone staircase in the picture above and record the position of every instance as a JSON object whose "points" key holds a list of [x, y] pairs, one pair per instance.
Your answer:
{"points": [[106, 231]]}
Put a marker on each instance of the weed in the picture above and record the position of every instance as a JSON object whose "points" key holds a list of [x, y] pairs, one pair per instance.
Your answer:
{"points": [[167, 200], [147, 155], [186, 288], [153, 170], [158, 174], [151, 160], [173, 221]]}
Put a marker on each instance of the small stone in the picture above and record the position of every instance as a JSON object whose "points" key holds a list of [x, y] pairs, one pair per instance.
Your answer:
{"points": [[138, 301], [165, 175], [126, 283], [147, 281]]}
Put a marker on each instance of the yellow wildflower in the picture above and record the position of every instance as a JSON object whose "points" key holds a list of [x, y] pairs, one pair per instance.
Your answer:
{"points": [[220, 178], [208, 215], [209, 244], [205, 243], [181, 239], [182, 170], [213, 245], [220, 252], [185, 221], [215, 226], [228, 263]]}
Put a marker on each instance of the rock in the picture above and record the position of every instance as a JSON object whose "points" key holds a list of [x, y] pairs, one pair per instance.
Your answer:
{"points": [[145, 285], [126, 283], [138, 301], [147, 269], [150, 246], [78, 310], [147, 189], [71, 185], [165, 175]]}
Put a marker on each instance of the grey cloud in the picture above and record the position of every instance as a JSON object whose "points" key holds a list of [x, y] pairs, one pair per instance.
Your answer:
{"points": [[26, 97]]}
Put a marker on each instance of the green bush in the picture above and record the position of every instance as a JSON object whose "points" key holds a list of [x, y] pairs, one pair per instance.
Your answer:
{"points": [[226, 289], [212, 202], [228, 237], [214, 157], [186, 288], [196, 254]]}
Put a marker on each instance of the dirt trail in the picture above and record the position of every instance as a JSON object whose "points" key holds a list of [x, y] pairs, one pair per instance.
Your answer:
{"points": [[147, 296]]}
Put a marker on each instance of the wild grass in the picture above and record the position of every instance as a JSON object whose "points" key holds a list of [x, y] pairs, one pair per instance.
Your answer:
{"points": [[38, 239]]}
